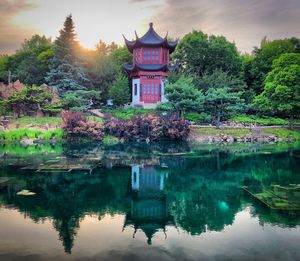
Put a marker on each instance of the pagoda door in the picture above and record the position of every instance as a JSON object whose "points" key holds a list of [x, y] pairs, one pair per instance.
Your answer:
{"points": [[151, 91]]}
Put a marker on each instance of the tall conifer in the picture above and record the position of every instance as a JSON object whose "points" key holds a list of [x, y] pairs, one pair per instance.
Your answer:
{"points": [[66, 71]]}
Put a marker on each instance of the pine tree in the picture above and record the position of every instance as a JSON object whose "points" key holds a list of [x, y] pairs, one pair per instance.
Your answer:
{"points": [[66, 71], [119, 91]]}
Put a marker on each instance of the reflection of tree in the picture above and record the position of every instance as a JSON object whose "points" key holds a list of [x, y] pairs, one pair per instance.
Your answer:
{"points": [[198, 192], [67, 198]]}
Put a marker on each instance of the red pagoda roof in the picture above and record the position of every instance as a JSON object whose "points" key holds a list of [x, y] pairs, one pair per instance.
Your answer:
{"points": [[151, 39], [150, 67]]}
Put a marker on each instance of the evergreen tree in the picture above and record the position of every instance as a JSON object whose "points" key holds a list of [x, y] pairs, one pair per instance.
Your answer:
{"points": [[223, 95], [183, 95], [66, 71], [119, 91]]}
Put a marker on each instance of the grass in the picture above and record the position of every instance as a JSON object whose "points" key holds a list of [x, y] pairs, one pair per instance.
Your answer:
{"points": [[19, 134], [25, 121], [95, 118], [197, 117], [235, 132], [127, 114], [262, 121], [284, 133]]}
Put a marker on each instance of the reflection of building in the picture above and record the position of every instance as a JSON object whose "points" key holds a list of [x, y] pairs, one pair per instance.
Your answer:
{"points": [[149, 211]]}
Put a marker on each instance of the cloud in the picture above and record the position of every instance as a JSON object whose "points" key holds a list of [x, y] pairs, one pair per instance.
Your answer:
{"points": [[11, 35], [244, 22]]}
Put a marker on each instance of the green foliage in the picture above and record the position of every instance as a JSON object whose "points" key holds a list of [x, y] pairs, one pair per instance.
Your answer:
{"points": [[29, 99], [80, 100], [52, 109], [183, 95], [223, 96], [3, 67], [199, 53], [103, 72], [110, 140], [217, 77], [67, 73], [30, 63], [119, 91], [235, 132], [34, 121], [284, 133], [257, 68], [198, 117], [127, 114], [19, 134], [281, 93], [259, 120], [164, 107]]}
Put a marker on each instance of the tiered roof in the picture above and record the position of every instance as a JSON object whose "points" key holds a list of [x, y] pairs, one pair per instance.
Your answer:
{"points": [[151, 39]]}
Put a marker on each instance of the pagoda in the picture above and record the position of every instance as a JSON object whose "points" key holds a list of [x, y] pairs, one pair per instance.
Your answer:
{"points": [[149, 68]]}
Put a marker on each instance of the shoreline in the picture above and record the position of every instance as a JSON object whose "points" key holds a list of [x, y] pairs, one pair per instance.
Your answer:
{"points": [[200, 134]]}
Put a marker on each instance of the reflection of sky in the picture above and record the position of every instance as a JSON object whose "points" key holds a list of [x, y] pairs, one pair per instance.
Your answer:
{"points": [[103, 239]]}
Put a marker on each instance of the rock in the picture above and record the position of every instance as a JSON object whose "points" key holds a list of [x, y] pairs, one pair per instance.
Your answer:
{"points": [[26, 141], [25, 192]]}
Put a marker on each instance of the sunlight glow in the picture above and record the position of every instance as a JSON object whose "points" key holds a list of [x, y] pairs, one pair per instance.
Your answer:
{"points": [[94, 20]]}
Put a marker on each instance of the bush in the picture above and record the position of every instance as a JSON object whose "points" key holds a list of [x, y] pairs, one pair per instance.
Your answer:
{"points": [[164, 107], [148, 128], [198, 117], [176, 128], [76, 124]]}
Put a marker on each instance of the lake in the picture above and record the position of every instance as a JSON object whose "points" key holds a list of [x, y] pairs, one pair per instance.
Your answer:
{"points": [[146, 202]]}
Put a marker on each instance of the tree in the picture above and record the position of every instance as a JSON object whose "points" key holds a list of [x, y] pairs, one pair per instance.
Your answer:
{"points": [[66, 70], [183, 95], [80, 100], [3, 68], [223, 95], [119, 91], [199, 53], [281, 94], [105, 64], [29, 64], [261, 64], [29, 99]]}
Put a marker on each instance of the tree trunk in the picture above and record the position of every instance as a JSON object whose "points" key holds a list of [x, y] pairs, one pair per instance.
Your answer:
{"points": [[218, 119], [292, 122]]}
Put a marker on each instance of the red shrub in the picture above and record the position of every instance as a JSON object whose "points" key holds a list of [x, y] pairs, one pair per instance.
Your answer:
{"points": [[77, 124], [176, 128], [148, 127]]}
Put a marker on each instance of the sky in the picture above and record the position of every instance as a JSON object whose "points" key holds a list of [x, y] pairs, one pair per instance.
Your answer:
{"points": [[244, 22]]}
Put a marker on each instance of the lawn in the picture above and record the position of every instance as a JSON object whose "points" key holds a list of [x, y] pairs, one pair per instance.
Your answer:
{"points": [[33, 121], [284, 133], [262, 120], [127, 114], [235, 132]]}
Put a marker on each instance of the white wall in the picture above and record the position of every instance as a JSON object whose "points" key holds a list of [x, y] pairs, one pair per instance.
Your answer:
{"points": [[163, 97], [136, 98]]}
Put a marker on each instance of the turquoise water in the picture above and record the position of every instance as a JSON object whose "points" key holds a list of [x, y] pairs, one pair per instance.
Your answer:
{"points": [[140, 202]]}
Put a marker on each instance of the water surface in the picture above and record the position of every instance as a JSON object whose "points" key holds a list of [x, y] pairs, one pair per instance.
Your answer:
{"points": [[158, 202]]}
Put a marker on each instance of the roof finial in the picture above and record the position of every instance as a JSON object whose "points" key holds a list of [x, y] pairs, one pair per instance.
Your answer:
{"points": [[151, 25]]}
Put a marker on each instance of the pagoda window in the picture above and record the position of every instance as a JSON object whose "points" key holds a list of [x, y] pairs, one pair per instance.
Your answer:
{"points": [[135, 89], [151, 55]]}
